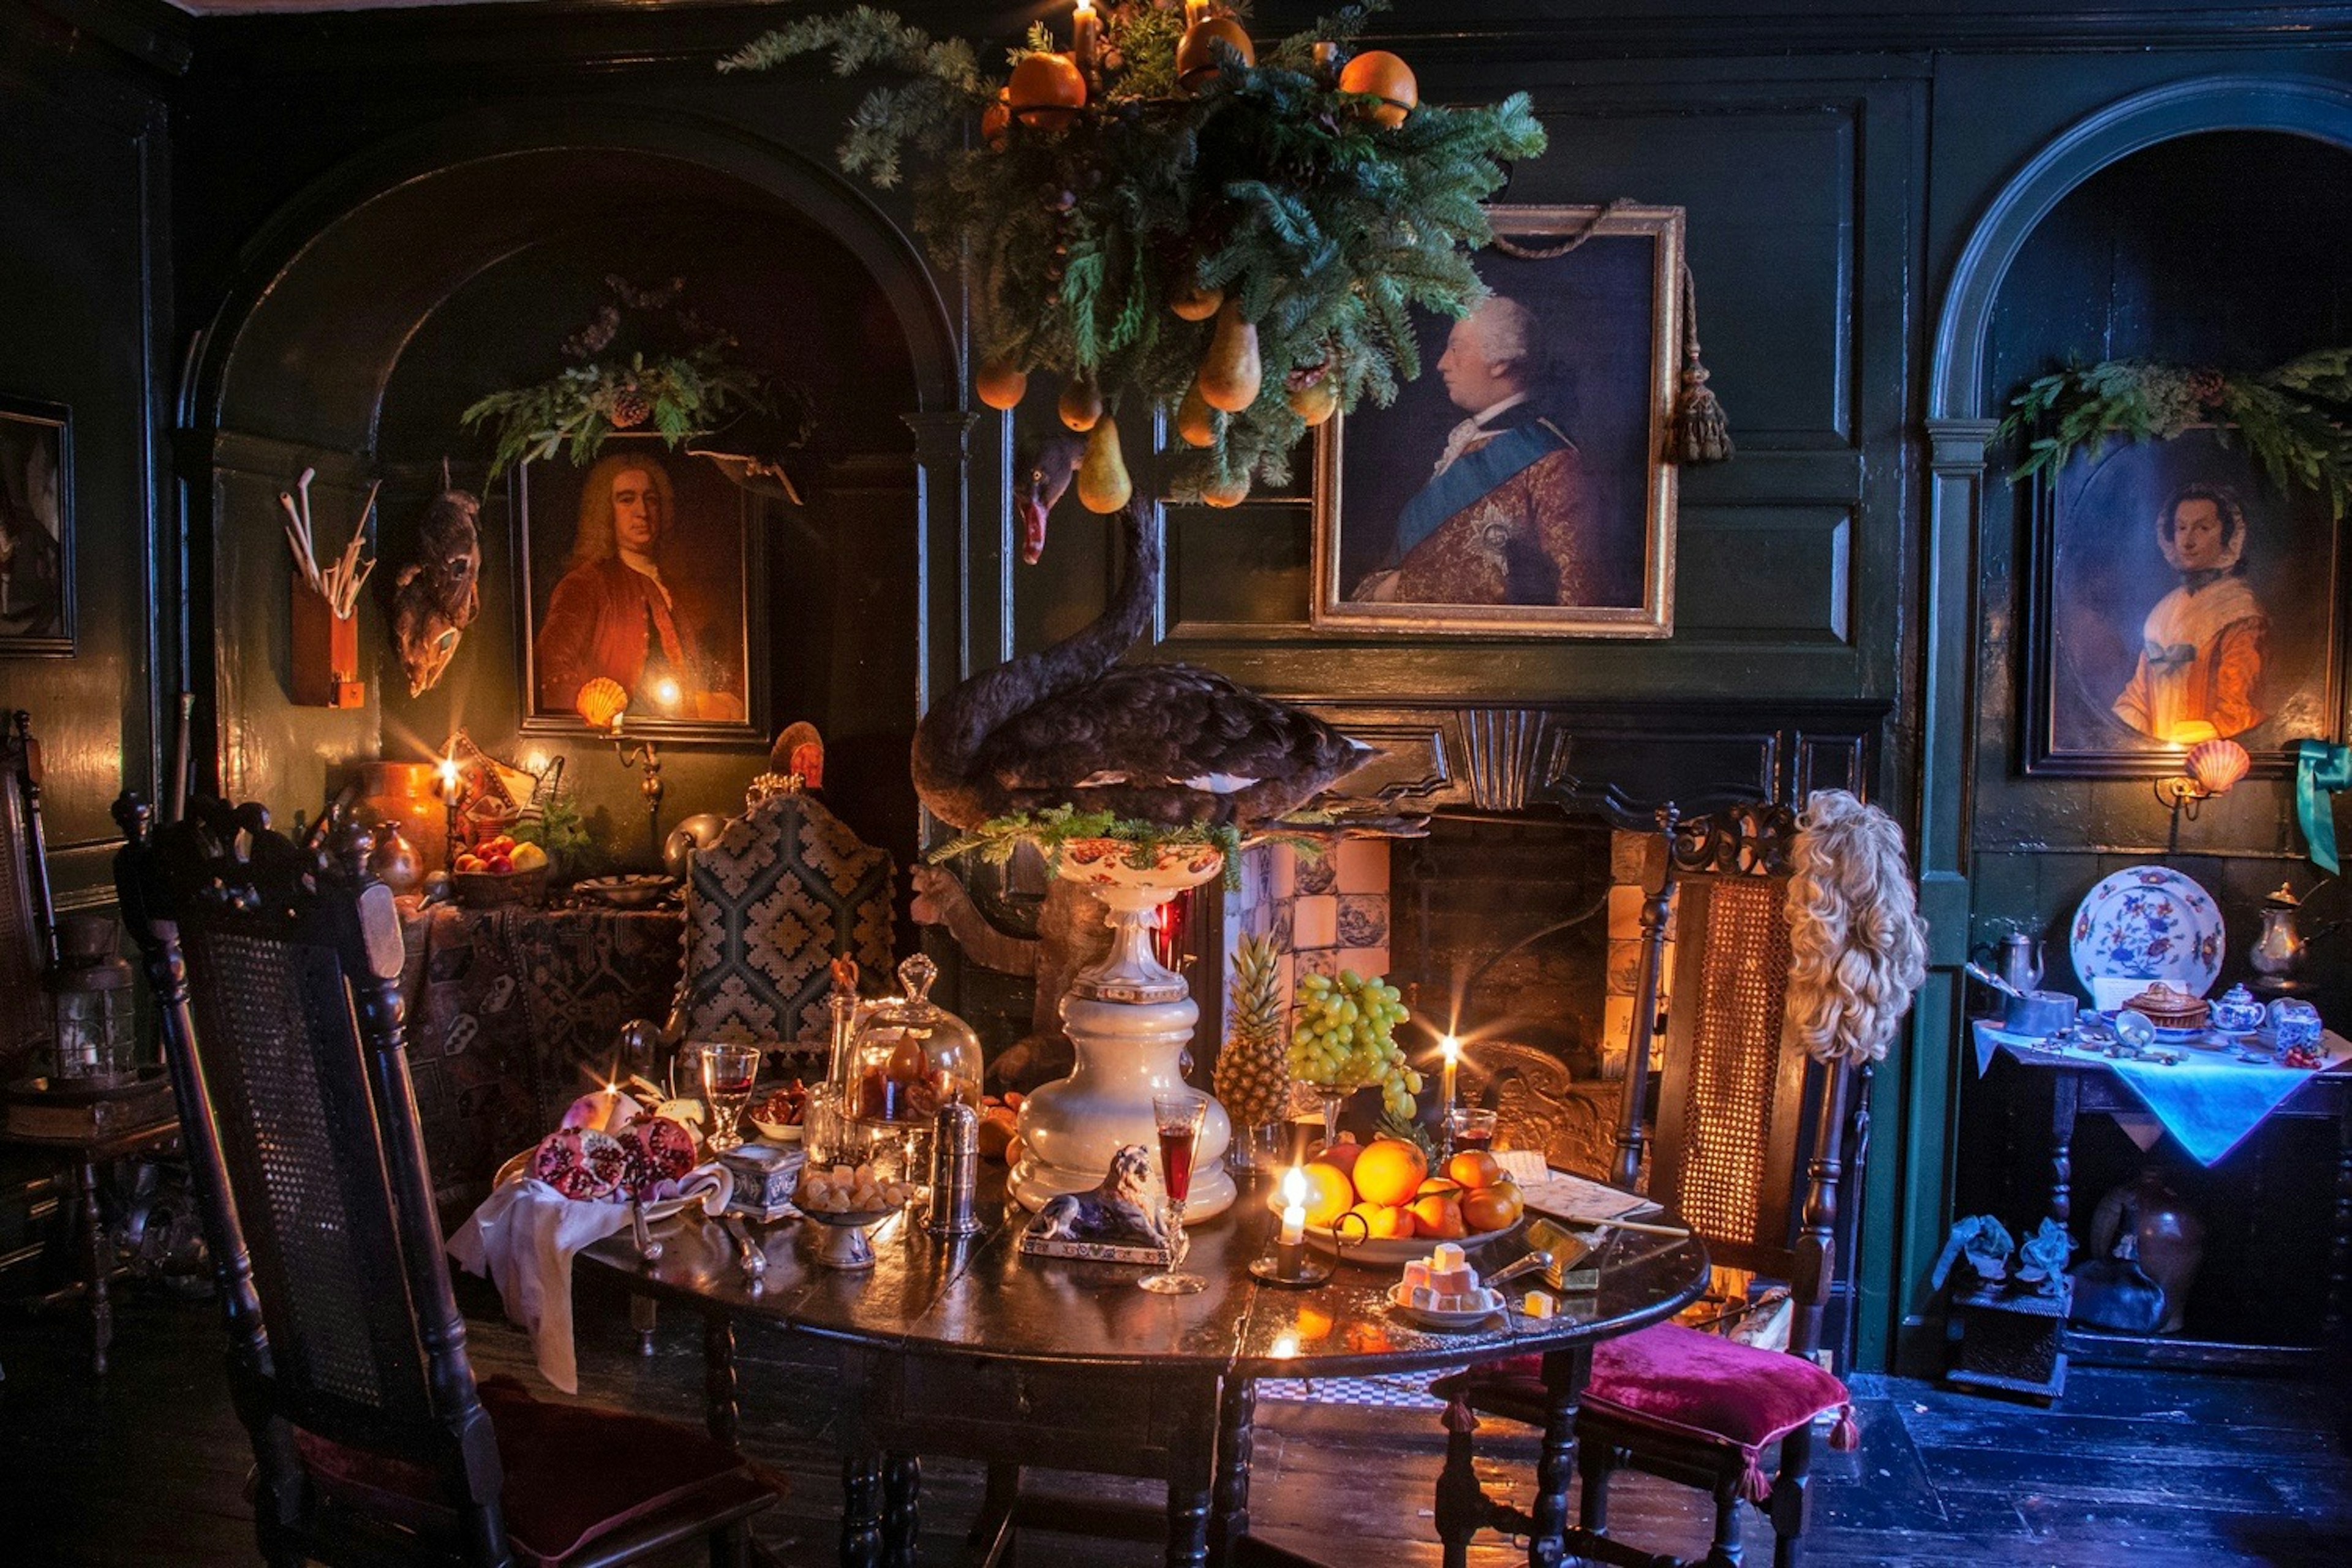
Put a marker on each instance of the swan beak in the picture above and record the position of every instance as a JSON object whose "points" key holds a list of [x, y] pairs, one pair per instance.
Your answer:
{"points": [[1031, 510]]}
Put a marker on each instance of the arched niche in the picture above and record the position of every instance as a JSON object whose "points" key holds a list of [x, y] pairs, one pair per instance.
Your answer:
{"points": [[383, 302]]}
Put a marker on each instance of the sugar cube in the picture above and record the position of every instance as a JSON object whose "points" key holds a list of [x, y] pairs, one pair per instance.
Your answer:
{"points": [[1447, 1256], [1416, 1275], [1454, 1280], [1538, 1305]]}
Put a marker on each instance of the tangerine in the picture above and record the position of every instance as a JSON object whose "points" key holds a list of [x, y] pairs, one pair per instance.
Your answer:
{"points": [[1439, 1217], [1497, 1207], [1474, 1168], [1438, 1187], [1390, 1171], [1046, 90], [1385, 1222], [1385, 77]]}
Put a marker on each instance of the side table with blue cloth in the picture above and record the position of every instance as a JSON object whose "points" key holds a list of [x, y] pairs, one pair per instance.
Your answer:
{"points": [[2209, 1102]]}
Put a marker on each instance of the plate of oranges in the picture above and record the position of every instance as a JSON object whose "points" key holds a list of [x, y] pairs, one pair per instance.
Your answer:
{"points": [[1380, 1202]]}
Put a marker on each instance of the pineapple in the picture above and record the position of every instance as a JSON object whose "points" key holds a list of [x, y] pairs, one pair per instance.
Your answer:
{"points": [[1254, 1070]]}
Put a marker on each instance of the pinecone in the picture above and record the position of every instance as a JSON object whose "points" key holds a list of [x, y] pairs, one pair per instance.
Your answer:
{"points": [[631, 408], [2207, 386], [1254, 1070]]}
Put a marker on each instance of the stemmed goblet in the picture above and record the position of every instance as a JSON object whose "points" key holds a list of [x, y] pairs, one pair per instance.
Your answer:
{"points": [[1179, 1117], [728, 1071]]}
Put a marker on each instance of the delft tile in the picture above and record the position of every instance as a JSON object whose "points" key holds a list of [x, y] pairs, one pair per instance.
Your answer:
{"points": [[1365, 961], [1278, 923], [1315, 922], [1281, 862], [1624, 913], [1318, 961], [1361, 864], [1318, 873], [1363, 919], [1625, 967]]}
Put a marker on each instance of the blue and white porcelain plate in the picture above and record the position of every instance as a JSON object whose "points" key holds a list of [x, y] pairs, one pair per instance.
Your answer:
{"points": [[2149, 922]]}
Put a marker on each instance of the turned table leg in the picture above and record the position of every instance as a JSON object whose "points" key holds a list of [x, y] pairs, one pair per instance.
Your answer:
{"points": [[2340, 1254], [721, 1387], [1236, 1437], [101, 1266], [902, 1511], [1565, 1373], [2064, 1098], [861, 1511], [1191, 1483]]}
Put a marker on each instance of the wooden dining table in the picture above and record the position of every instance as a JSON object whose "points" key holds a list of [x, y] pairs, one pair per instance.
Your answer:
{"points": [[971, 1349]]}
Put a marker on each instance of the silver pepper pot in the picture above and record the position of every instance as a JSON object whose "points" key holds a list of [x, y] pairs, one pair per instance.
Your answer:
{"points": [[955, 1171]]}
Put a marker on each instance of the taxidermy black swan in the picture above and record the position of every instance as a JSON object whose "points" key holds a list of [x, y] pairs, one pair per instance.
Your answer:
{"points": [[1068, 725]]}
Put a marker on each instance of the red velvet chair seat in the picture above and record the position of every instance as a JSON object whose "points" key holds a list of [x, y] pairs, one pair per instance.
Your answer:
{"points": [[1670, 1379], [573, 1474]]}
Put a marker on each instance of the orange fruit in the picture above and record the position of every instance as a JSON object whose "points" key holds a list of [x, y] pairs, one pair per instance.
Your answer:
{"points": [[1494, 1208], [1385, 1222], [1386, 77], [1474, 1168], [1045, 91], [1439, 1217], [1390, 1171], [1438, 1187]]}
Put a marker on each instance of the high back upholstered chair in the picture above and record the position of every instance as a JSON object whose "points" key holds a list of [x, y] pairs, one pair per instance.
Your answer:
{"points": [[275, 967], [27, 924], [1750, 1152]]}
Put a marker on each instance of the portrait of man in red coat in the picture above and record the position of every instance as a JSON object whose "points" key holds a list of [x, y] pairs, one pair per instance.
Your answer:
{"points": [[1507, 514], [632, 608]]}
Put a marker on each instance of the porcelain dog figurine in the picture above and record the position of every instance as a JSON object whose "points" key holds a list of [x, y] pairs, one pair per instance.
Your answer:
{"points": [[1120, 1212]]}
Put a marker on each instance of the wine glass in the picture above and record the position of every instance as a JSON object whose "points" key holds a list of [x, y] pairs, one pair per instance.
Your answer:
{"points": [[1179, 1116], [728, 1071]]}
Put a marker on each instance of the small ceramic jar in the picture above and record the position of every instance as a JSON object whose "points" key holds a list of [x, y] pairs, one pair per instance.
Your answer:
{"points": [[2237, 1012]]}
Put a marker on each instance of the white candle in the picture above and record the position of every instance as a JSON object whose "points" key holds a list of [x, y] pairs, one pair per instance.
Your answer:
{"points": [[1085, 35], [1452, 1050], [1294, 1208], [1195, 12]]}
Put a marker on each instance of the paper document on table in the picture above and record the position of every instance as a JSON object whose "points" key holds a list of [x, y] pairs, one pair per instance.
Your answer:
{"points": [[1568, 1197]]}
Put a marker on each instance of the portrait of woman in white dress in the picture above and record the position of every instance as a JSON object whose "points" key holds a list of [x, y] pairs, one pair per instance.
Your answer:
{"points": [[2201, 647]]}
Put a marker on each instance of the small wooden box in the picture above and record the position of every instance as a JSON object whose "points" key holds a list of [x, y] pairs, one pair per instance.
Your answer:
{"points": [[2015, 1343], [323, 654]]}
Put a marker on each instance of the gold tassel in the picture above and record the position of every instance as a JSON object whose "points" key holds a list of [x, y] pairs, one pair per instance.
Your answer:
{"points": [[1699, 432]]}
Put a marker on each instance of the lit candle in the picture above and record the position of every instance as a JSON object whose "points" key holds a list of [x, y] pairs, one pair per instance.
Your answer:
{"points": [[666, 691], [1086, 37], [448, 786], [1294, 1208], [1452, 1050], [1195, 12]]}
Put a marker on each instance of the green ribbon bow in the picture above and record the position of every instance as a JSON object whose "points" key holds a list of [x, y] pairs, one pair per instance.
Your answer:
{"points": [[2320, 770]]}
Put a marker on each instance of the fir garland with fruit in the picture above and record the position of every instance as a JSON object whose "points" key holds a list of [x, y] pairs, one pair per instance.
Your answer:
{"points": [[1167, 218], [2296, 419]]}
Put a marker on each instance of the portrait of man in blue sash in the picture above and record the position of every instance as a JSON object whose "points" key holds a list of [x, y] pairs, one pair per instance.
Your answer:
{"points": [[1508, 516]]}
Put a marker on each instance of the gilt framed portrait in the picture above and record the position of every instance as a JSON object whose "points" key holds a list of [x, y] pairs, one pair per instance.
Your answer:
{"points": [[37, 587], [1519, 488], [2179, 595], [640, 570]]}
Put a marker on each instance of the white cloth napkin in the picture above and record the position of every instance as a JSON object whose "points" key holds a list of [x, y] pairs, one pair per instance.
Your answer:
{"points": [[523, 1238]]}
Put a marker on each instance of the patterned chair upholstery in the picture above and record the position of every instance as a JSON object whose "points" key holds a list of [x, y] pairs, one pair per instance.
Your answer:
{"points": [[786, 888]]}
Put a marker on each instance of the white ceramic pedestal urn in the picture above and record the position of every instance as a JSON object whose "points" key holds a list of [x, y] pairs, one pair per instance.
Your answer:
{"points": [[1131, 1017]]}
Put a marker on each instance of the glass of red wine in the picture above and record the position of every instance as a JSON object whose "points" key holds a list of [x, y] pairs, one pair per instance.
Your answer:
{"points": [[728, 1071], [1177, 1115]]}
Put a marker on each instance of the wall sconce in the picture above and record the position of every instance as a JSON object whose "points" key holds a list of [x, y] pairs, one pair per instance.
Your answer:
{"points": [[602, 705], [2212, 767]]}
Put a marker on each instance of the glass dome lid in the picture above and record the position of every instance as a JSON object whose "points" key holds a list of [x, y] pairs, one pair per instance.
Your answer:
{"points": [[912, 1055]]}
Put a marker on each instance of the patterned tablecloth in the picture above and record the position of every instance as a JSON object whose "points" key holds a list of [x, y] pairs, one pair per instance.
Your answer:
{"points": [[512, 1014]]}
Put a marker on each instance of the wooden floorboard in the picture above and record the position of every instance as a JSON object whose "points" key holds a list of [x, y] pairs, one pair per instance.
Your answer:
{"points": [[147, 1465]]}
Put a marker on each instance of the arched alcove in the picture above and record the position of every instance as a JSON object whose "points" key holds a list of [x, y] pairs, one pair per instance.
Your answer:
{"points": [[381, 304], [2207, 223]]}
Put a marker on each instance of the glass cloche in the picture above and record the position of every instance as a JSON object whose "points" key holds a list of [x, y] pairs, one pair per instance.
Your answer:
{"points": [[911, 1056]]}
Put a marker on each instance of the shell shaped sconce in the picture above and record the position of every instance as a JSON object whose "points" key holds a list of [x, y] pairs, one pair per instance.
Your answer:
{"points": [[2216, 766]]}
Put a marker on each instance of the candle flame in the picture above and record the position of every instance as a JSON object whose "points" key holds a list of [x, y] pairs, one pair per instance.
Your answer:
{"points": [[1451, 1048], [665, 693], [1294, 1188]]}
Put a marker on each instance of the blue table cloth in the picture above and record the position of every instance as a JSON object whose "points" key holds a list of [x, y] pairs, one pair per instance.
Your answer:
{"points": [[2209, 1101]]}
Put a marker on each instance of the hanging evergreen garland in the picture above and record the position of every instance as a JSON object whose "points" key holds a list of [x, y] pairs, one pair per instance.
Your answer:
{"points": [[2296, 419], [1169, 216]]}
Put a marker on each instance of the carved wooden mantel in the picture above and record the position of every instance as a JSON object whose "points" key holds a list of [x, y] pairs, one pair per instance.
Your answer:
{"points": [[1501, 758]]}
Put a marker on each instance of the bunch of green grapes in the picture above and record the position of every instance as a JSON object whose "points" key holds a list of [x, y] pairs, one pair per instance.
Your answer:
{"points": [[1343, 1036]]}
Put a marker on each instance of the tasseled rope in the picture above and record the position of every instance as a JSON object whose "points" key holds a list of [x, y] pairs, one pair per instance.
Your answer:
{"points": [[1697, 432], [1845, 1433]]}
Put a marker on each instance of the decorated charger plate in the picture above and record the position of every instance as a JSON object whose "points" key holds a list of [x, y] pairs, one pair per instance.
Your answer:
{"points": [[2149, 922], [1396, 1251], [514, 1170]]}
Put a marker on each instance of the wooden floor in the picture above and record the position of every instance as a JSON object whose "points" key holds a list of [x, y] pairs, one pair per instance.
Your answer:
{"points": [[145, 1466]]}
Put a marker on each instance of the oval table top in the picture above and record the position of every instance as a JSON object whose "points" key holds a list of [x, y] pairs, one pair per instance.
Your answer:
{"points": [[982, 1297]]}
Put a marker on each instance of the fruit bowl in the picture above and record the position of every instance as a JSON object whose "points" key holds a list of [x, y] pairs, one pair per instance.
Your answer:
{"points": [[1394, 1251], [499, 890]]}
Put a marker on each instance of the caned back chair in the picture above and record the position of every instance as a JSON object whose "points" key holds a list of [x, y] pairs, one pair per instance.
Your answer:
{"points": [[1748, 1151], [276, 969]]}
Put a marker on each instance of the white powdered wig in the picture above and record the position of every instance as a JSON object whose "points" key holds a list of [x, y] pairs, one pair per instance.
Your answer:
{"points": [[1860, 947]]}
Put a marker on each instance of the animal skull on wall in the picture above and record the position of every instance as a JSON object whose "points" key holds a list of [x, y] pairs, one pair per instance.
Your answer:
{"points": [[435, 599]]}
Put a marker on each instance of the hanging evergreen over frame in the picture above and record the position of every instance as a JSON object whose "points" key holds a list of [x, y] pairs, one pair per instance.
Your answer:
{"points": [[2296, 419], [1130, 233]]}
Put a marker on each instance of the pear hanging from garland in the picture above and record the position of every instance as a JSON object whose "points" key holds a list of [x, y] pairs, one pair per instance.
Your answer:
{"points": [[1103, 484], [1196, 422], [1001, 384], [1230, 374], [1195, 304], [1082, 403]]}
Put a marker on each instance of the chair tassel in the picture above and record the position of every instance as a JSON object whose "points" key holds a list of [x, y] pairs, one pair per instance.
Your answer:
{"points": [[1698, 433], [1845, 1432], [1458, 1418], [1755, 1486]]}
